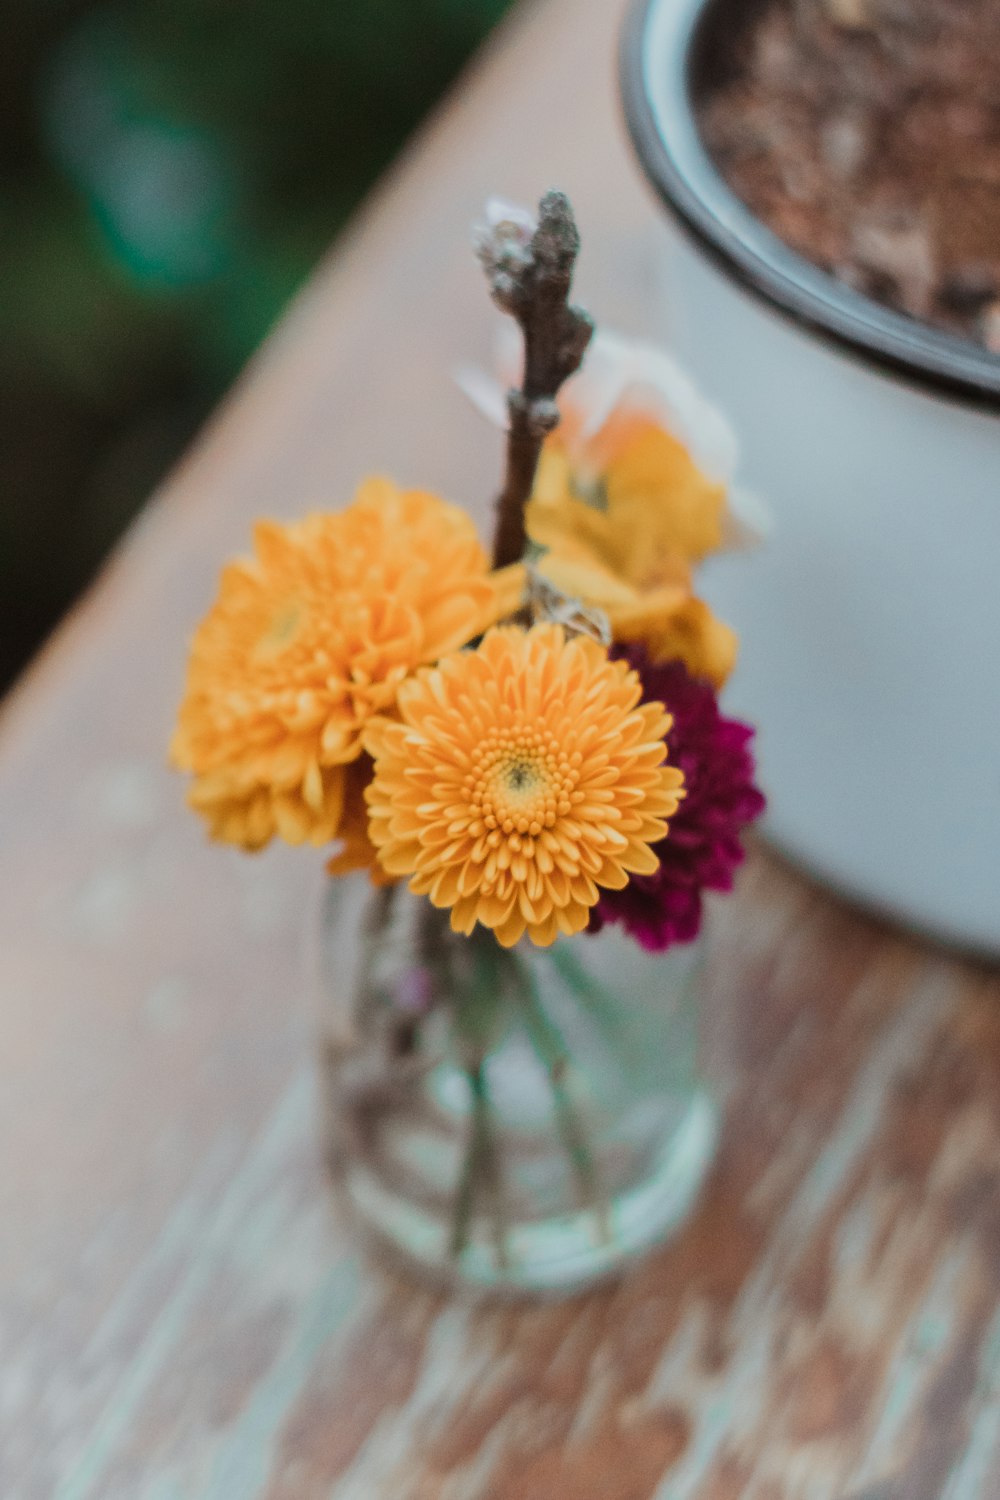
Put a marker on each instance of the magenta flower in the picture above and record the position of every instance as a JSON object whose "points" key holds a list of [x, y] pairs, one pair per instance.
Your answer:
{"points": [[703, 847]]}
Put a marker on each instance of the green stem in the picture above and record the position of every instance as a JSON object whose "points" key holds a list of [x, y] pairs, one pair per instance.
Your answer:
{"points": [[494, 1184], [601, 1002], [479, 1022], [476, 1159], [553, 1053]]}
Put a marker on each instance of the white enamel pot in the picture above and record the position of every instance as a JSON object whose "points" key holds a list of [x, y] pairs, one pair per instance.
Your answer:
{"points": [[870, 620]]}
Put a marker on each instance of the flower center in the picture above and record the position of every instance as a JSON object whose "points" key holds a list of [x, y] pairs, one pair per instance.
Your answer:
{"points": [[521, 780], [520, 776], [282, 628]]}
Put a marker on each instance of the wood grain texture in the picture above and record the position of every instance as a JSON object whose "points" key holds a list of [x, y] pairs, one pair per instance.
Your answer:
{"points": [[183, 1316]]}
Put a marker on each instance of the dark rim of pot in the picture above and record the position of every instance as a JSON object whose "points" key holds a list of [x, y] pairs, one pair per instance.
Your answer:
{"points": [[669, 147]]}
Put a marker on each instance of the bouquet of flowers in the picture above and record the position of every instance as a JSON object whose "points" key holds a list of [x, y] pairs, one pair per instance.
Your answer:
{"points": [[521, 754]]}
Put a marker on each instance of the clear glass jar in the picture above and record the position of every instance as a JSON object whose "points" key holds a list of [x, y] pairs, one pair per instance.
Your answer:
{"points": [[522, 1120]]}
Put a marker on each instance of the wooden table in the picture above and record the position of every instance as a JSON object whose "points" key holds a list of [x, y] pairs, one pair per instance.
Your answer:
{"points": [[182, 1316]]}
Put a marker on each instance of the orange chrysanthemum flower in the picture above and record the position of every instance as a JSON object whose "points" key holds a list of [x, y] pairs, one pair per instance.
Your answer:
{"points": [[308, 639], [524, 776]]}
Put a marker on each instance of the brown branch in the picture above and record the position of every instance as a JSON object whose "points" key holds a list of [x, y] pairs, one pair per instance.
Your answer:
{"points": [[530, 277]]}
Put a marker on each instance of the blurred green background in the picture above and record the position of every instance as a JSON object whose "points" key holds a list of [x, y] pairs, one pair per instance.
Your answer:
{"points": [[170, 170]]}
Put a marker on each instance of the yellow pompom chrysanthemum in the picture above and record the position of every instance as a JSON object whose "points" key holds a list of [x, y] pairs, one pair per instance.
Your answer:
{"points": [[629, 550], [634, 494], [524, 776], [310, 637]]}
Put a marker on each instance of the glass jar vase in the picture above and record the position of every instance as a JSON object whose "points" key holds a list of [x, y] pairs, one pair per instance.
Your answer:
{"points": [[522, 1120]]}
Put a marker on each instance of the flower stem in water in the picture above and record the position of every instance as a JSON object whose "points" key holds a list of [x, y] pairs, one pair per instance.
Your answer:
{"points": [[480, 1157], [554, 1056]]}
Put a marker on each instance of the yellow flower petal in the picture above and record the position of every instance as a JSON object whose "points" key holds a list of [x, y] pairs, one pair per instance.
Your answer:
{"points": [[623, 536], [671, 622]]}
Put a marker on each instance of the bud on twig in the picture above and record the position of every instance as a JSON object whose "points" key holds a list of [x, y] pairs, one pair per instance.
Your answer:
{"points": [[529, 266]]}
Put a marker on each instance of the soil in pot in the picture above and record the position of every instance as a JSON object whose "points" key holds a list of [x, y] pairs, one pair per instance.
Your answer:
{"points": [[866, 135]]}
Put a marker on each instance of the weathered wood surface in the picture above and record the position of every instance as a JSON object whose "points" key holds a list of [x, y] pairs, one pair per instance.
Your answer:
{"points": [[182, 1315]]}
